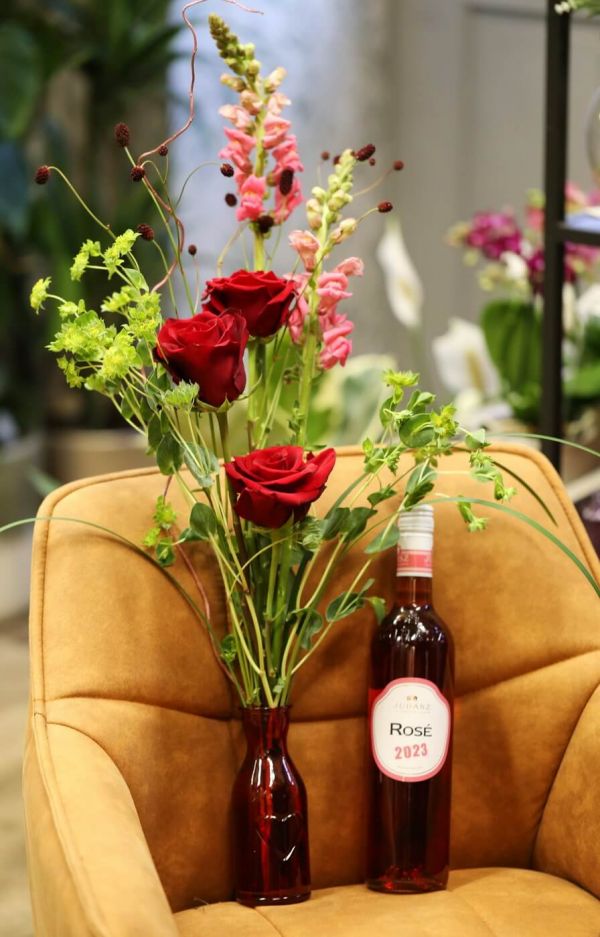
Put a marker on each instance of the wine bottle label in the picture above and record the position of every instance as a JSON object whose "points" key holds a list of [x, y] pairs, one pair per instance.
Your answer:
{"points": [[410, 729], [414, 563]]}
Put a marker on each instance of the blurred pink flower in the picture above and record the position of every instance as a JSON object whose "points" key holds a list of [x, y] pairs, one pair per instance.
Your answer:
{"points": [[286, 156], [300, 310], [285, 204], [494, 233], [351, 267], [238, 116], [307, 246], [275, 130], [238, 149], [336, 347], [277, 102], [252, 191], [331, 288]]}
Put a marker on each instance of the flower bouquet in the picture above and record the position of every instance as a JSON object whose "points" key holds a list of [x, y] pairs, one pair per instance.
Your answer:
{"points": [[510, 264], [251, 339]]}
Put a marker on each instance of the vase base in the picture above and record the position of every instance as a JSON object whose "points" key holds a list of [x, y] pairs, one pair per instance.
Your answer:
{"points": [[253, 900]]}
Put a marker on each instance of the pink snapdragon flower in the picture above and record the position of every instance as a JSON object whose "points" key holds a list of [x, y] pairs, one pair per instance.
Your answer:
{"points": [[238, 149], [351, 267], [285, 204], [239, 116], [298, 314], [275, 130], [252, 191], [286, 156], [336, 346], [277, 102], [494, 233], [307, 246], [331, 288]]}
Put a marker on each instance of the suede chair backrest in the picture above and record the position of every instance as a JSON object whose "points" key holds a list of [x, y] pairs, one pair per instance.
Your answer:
{"points": [[118, 656]]}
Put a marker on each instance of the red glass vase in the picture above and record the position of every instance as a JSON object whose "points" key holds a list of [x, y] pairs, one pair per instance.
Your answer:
{"points": [[270, 815]]}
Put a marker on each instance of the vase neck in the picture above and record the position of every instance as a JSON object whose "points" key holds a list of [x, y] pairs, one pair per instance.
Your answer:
{"points": [[266, 728]]}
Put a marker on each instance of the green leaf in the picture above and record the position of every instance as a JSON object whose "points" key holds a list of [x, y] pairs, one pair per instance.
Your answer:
{"points": [[228, 649], [420, 482], [475, 440], [165, 554], [356, 521], [202, 463], [203, 521], [378, 607], [168, 455], [384, 541], [512, 332], [310, 533], [347, 603], [334, 522], [376, 497], [312, 622], [417, 431], [155, 433]]}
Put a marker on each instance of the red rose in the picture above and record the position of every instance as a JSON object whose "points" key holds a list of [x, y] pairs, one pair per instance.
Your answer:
{"points": [[274, 483], [207, 350], [263, 299]]}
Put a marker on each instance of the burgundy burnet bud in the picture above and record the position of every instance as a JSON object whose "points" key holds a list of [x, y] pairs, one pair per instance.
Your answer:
{"points": [[226, 169], [192, 250], [137, 173], [336, 159], [398, 165], [372, 161], [163, 149], [365, 153], [230, 199], [42, 175], [285, 181], [385, 207], [146, 232], [122, 134], [265, 223], [325, 154]]}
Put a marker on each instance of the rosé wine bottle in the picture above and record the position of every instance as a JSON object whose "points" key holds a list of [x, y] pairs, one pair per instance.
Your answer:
{"points": [[410, 716]]}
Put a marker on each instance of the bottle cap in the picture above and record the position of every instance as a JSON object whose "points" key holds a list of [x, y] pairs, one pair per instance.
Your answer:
{"points": [[418, 520]]}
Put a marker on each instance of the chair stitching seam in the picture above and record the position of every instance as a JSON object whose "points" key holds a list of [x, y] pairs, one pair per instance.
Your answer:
{"points": [[270, 923], [476, 912]]}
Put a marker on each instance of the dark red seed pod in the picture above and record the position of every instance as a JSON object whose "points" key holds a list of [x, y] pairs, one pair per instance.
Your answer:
{"points": [[226, 169], [265, 223], [231, 199], [365, 153], [372, 161], [336, 159], [385, 207], [137, 173], [122, 134], [398, 165], [325, 154], [192, 250], [145, 231], [163, 149], [42, 175], [286, 180]]}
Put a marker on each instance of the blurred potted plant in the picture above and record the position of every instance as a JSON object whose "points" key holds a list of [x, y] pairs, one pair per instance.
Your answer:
{"points": [[71, 70], [509, 259]]}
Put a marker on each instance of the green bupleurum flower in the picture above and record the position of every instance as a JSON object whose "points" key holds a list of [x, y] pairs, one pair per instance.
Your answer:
{"points": [[39, 293]]}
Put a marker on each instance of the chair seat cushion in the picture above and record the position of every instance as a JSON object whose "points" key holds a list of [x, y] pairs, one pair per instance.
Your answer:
{"points": [[478, 903]]}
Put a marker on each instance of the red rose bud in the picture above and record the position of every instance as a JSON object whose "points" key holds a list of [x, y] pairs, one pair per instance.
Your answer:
{"points": [[163, 149], [365, 152], [122, 134], [385, 207], [231, 199], [372, 161], [265, 223], [275, 484], [325, 154], [145, 231], [226, 169], [192, 250], [286, 180], [263, 299], [398, 165], [42, 175], [207, 350], [137, 173]]}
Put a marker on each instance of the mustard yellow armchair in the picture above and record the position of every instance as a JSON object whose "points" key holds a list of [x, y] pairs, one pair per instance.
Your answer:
{"points": [[134, 739]]}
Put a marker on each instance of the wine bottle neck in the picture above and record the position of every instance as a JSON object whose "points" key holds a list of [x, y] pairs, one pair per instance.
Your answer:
{"points": [[413, 590]]}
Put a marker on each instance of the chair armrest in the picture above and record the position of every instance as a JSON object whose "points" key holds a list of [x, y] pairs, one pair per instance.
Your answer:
{"points": [[569, 834], [90, 869]]}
